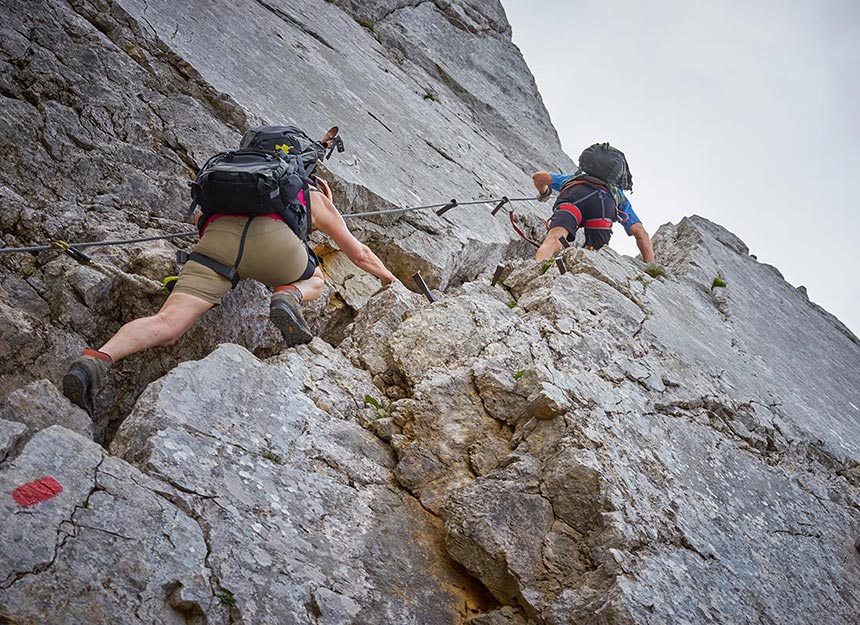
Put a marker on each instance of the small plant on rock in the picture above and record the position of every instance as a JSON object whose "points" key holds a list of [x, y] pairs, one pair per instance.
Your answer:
{"points": [[369, 400], [719, 283], [382, 409], [227, 598]]}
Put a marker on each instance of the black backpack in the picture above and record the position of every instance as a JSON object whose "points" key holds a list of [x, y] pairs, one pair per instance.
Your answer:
{"points": [[608, 164], [254, 182], [269, 173], [287, 140]]}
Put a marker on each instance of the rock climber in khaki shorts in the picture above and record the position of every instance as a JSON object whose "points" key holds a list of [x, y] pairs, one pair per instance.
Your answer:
{"points": [[271, 253]]}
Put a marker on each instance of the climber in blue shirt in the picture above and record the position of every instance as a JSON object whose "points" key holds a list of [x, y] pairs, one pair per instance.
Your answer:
{"points": [[584, 203]]}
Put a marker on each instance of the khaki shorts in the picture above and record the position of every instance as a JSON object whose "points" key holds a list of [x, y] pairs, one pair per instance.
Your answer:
{"points": [[273, 254]]}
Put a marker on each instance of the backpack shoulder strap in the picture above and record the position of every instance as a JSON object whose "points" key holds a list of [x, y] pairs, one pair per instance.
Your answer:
{"points": [[307, 195], [589, 180]]}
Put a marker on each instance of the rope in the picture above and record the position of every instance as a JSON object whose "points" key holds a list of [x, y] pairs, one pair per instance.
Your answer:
{"points": [[430, 206], [64, 246], [143, 284], [394, 210], [69, 248], [520, 232]]}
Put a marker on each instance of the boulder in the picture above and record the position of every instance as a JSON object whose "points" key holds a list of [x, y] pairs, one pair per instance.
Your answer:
{"points": [[88, 538], [40, 405], [303, 515]]}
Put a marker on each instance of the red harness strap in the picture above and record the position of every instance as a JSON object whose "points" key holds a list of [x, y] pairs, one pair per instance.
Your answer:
{"points": [[573, 209], [220, 215], [600, 224]]}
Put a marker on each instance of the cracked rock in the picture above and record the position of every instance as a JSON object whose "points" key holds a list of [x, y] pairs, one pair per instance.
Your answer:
{"points": [[297, 498], [108, 543]]}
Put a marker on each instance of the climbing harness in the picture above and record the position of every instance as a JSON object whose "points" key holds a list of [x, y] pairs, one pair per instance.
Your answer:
{"points": [[620, 215], [231, 272]]}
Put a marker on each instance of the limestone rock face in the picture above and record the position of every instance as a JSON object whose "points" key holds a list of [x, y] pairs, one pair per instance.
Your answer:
{"points": [[432, 98], [304, 519], [105, 544], [11, 434], [608, 444], [110, 107], [602, 447], [582, 459], [102, 125]]}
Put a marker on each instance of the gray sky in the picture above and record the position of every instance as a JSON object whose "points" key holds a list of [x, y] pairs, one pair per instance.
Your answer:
{"points": [[743, 112]]}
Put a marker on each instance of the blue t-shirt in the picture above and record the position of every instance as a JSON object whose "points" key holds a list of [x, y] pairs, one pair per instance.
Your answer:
{"points": [[559, 180]]}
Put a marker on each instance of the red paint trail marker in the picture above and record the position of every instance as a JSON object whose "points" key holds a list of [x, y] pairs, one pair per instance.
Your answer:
{"points": [[37, 491]]}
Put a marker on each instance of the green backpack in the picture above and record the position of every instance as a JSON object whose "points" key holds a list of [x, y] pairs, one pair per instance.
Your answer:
{"points": [[608, 164]]}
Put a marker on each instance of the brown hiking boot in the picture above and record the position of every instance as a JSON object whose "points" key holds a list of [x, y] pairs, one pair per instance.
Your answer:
{"points": [[84, 377], [285, 311]]}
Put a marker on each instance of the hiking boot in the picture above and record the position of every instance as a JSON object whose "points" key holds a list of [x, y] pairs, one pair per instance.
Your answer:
{"points": [[84, 377], [285, 311]]}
